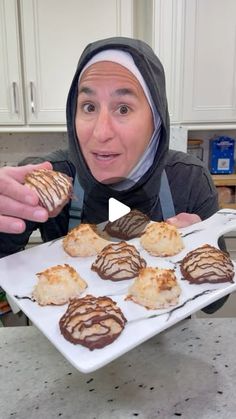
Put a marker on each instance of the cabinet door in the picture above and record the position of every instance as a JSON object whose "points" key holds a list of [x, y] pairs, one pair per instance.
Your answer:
{"points": [[209, 77], [54, 33], [11, 97], [167, 43]]}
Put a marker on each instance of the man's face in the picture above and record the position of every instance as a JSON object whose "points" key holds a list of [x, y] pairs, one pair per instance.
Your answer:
{"points": [[114, 121]]}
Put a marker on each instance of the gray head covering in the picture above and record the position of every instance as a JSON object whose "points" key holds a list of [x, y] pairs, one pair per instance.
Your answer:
{"points": [[143, 194]]}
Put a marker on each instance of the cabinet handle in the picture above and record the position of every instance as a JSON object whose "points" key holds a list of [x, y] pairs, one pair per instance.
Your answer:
{"points": [[15, 97], [32, 104]]}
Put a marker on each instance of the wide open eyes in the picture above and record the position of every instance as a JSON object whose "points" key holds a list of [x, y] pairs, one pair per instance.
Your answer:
{"points": [[88, 107]]}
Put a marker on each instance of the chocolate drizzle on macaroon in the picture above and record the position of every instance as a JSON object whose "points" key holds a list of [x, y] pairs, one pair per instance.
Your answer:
{"points": [[53, 188], [118, 261], [129, 226], [207, 264], [91, 321]]}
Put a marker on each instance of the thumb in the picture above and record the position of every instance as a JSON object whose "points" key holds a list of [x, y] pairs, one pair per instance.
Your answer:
{"points": [[183, 220]]}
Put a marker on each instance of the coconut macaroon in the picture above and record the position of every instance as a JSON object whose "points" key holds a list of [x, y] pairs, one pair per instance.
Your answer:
{"points": [[84, 240], [162, 239], [129, 226], [155, 288], [54, 189], [207, 264], [118, 261], [56, 285], [91, 321]]}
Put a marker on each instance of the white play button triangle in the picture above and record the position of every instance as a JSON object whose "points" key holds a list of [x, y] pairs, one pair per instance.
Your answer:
{"points": [[116, 209]]}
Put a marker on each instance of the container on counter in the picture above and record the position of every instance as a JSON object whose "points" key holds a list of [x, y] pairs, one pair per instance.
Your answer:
{"points": [[195, 147], [221, 156]]}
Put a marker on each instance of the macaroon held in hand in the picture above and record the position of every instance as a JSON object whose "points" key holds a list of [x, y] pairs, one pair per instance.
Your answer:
{"points": [[17, 201]]}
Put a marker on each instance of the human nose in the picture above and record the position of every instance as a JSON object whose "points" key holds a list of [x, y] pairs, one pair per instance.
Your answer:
{"points": [[103, 130]]}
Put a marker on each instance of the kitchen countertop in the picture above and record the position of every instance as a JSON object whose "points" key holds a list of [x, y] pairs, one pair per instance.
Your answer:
{"points": [[188, 371]]}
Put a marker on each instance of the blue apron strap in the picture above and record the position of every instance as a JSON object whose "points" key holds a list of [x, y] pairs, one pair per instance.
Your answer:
{"points": [[166, 201], [76, 204]]}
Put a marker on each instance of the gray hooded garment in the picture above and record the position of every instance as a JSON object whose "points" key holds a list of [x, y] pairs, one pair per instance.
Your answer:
{"points": [[191, 185], [144, 193], [190, 182]]}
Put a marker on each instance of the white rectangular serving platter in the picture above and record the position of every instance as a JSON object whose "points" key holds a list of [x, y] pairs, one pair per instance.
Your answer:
{"points": [[18, 277]]}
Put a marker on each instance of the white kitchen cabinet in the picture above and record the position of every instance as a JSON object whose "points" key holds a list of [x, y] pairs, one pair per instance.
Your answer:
{"points": [[209, 68], [196, 42], [47, 44], [167, 41], [11, 94], [165, 33]]}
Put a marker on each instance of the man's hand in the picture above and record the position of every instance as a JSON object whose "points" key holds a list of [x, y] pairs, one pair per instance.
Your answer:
{"points": [[17, 201], [184, 220]]}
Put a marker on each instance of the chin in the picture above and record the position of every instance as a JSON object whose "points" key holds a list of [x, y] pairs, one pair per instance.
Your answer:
{"points": [[112, 180], [107, 180]]}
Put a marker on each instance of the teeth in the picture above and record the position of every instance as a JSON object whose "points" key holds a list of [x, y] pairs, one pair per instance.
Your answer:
{"points": [[104, 156]]}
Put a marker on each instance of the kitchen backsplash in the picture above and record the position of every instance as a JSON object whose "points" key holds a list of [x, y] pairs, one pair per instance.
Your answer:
{"points": [[14, 147]]}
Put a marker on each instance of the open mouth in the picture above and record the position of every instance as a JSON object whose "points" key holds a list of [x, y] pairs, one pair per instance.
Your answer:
{"points": [[105, 156]]}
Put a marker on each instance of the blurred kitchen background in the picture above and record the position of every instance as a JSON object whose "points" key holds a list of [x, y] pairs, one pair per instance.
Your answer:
{"points": [[41, 41]]}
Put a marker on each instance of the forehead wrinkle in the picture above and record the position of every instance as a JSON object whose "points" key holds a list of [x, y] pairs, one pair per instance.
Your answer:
{"points": [[123, 91], [106, 70]]}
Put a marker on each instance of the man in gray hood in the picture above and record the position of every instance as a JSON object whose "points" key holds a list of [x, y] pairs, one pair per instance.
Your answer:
{"points": [[118, 130]]}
